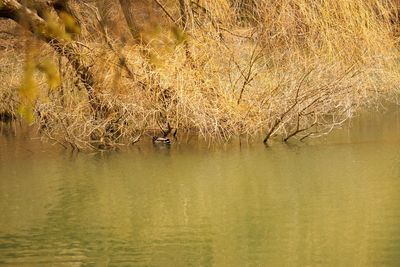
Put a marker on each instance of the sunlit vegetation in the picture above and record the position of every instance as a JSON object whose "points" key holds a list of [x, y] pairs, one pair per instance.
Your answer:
{"points": [[104, 74]]}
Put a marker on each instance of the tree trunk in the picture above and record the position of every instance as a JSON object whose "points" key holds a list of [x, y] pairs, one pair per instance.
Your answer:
{"points": [[127, 6]]}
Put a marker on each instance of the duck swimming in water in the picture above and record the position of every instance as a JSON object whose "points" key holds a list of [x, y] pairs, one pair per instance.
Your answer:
{"points": [[161, 140]]}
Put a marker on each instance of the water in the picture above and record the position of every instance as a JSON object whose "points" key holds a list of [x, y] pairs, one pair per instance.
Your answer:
{"points": [[329, 202]]}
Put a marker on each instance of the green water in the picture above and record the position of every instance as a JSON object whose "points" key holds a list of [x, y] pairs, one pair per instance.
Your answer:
{"points": [[330, 202]]}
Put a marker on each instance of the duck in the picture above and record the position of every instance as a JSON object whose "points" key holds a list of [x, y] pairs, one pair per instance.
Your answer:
{"points": [[161, 140]]}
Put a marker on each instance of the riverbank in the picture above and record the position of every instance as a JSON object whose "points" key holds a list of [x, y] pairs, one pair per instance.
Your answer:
{"points": [[368, 127]]}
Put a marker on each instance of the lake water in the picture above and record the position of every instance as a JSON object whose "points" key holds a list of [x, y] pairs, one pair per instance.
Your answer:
{"points": [[328, 202]]}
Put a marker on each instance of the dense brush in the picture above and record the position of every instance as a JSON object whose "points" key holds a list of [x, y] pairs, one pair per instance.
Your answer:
{"points": [[255, 68]]}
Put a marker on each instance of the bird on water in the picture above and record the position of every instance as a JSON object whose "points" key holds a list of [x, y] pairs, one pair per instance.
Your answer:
{"points": [[161, 140]]}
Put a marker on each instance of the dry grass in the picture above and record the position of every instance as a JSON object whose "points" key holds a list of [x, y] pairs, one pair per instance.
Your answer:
{"points": [[292, 69]]}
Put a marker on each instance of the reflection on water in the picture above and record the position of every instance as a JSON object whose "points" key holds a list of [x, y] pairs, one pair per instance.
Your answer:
{"points": [[331, 202]]}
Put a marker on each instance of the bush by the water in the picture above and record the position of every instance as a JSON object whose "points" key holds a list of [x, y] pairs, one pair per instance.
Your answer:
{"points": [[101, 74]]}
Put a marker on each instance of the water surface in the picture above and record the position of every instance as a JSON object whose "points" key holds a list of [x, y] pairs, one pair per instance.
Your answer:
{"points": [[330, 202]]}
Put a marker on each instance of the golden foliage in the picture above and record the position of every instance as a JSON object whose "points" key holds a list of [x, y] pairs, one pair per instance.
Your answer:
{"points": [[28, 89], [51, 72], [70, 24]]}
